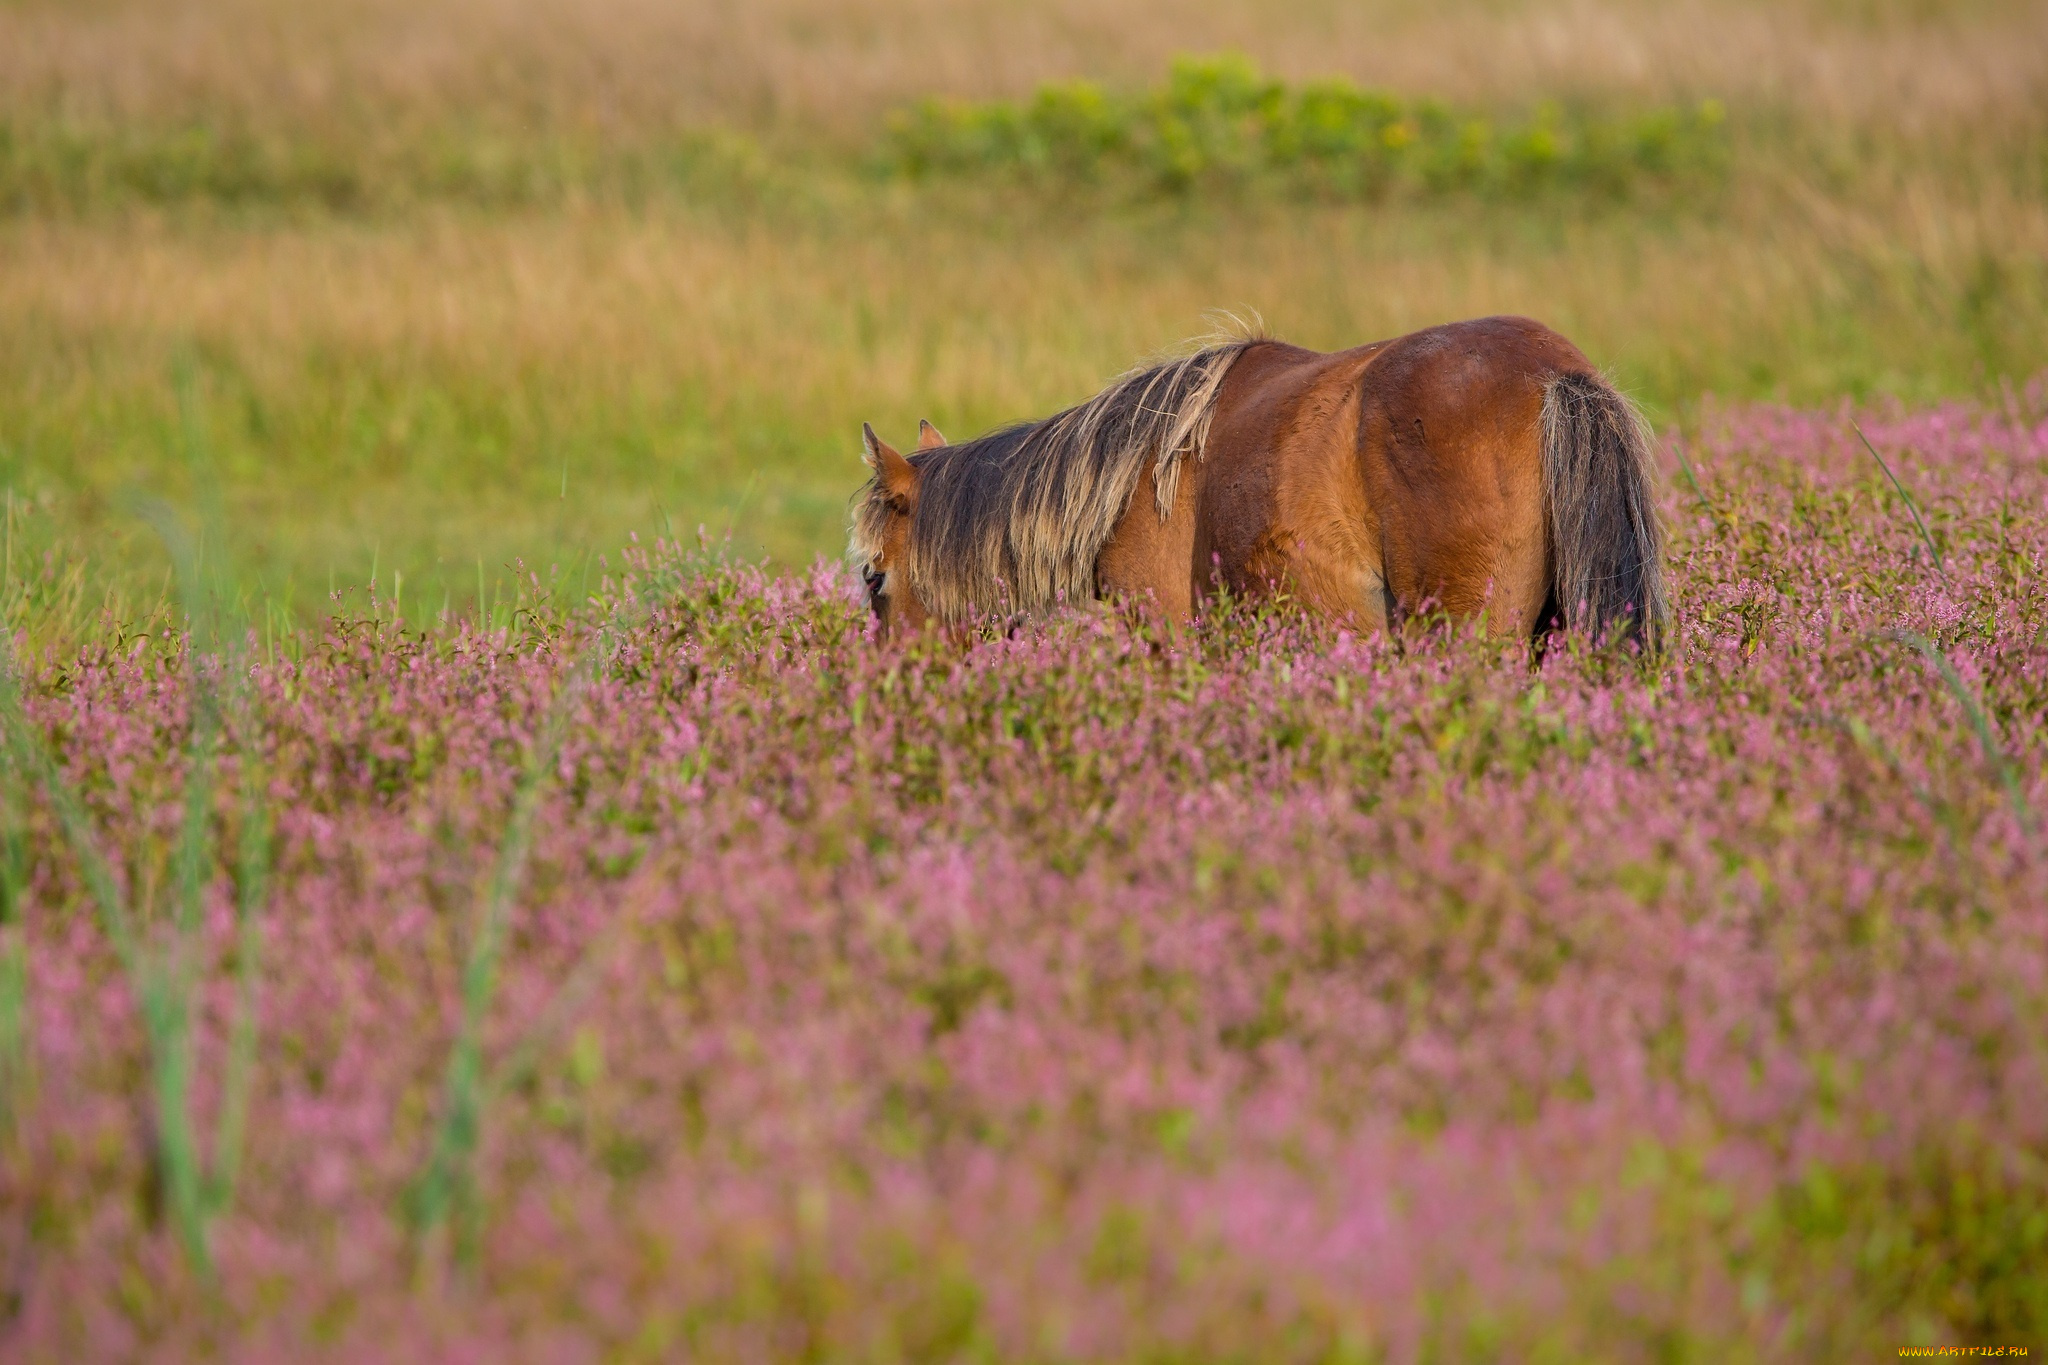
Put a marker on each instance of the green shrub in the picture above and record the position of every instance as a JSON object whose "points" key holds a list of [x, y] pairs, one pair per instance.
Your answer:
{"points": [[1220, 121]]}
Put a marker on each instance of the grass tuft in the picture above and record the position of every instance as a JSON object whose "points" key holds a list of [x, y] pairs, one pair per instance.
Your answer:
{"points": [[1926, 538], [1995, 757]]}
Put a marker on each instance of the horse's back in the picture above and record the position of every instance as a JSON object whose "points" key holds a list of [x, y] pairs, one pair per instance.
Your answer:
{"points": [[1280, 503], [1407, 470]]}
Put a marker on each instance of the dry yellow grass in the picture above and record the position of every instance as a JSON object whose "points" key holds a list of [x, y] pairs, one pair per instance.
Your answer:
{"points": [[619, 63]]}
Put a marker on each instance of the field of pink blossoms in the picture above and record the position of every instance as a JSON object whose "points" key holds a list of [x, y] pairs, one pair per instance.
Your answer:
{"points": [[681, 975]]}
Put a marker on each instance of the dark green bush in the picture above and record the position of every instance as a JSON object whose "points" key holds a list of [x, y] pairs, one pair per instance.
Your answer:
{"points": [[1218, 120]]}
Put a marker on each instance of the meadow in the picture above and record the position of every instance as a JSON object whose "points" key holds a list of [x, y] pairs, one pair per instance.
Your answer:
{"points": [[468, 283], [454, 907], [682, 975]]}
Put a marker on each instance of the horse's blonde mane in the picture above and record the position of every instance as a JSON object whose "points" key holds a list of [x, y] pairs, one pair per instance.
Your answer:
{"points": [[1012, 522]]}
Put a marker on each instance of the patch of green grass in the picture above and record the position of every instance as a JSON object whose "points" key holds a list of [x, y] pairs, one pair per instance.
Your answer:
{"points": [[57, 164], [1219, 121], [1951, 1245]]}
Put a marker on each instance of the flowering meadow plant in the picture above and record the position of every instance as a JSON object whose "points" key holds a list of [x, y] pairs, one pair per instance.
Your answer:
{"points": [[685, 975]]}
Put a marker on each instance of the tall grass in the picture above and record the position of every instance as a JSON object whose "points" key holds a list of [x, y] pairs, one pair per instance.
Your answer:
{"points": [[1215, 122], [163, 950], [445, 1190], [1995, 757], [14, 1069], [417, 395], [165, 964]]}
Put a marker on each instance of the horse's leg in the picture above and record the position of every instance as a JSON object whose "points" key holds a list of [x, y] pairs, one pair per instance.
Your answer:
{"points": [[1477, 549], [1329, 566], [1451, 445], [1497, 569], [1322, 546], [1519, 575], [1500, 571]]}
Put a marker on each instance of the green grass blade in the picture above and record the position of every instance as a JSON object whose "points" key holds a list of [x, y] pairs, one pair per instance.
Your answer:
{"points": [[204, 1192], [14, 1065], [167, 1018], [174, 978], [159, 998], [14, 1061], [442, 1189], [31, 756], [1904, 496], [1994, 752], [252, 891], [1685, 467]]}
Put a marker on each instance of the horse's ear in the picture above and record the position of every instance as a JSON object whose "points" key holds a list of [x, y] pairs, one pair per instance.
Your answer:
{"points": [[892, 471], [928, 437]]}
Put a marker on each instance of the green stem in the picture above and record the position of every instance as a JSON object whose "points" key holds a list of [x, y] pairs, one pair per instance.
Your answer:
{"points": [[164, 982], [174, 982], [167, 1020], [252, 878], [1905, 497], [444, 1183], [1685, 467], [1994, 753], [13, 957], [13, 1028], [158, 990], [32, 756]]}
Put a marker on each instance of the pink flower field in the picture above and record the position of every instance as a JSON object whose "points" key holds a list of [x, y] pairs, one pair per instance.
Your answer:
{"points": [[683, 975]]}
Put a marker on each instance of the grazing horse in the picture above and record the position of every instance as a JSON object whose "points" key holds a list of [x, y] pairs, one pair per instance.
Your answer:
{"points": [[1478, 466]]}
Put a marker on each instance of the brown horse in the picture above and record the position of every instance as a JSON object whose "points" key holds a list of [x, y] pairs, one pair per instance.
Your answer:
{"points": [[1479, 466]]}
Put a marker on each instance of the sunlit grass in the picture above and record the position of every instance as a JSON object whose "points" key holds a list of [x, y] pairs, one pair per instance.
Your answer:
{"points": [[412, 396], [531, 320]]}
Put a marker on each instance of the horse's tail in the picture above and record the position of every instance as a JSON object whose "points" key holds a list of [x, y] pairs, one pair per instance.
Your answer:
{"points": [[1606, 548]]}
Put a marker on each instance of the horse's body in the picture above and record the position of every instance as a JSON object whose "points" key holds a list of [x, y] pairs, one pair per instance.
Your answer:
{"points": [[1482, 465]]}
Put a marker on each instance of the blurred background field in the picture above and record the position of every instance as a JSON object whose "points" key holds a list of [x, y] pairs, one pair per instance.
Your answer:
{"points": [[426, 291]]}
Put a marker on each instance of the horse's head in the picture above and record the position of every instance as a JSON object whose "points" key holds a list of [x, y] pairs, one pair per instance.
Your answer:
{"points": [[881, 530]]}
